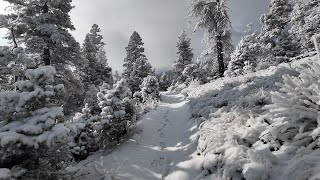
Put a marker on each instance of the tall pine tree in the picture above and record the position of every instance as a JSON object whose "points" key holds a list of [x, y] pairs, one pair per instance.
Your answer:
{"points": [[43, 26], [247, 50], [96, 69], [184, 56], [136, 65], [274, 37], [305, 22]]}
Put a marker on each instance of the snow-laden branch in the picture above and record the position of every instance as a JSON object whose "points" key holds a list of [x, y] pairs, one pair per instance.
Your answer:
{"points": [[316, 44]]}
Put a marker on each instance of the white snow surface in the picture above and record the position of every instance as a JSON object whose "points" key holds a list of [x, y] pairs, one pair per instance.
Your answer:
{"points": [[165, 148]]}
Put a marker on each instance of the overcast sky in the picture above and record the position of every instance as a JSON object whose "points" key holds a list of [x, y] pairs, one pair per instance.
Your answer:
{"points": [[159, 22]]}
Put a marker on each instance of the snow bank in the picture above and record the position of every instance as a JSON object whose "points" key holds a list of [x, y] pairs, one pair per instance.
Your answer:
{"points": [[234, 139]]}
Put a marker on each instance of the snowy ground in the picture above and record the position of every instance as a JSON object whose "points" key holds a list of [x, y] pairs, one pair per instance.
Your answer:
{"points": [[165, 148]]}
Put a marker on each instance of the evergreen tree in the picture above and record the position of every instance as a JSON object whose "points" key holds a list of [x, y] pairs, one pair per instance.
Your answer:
{"points": [[141, 69], [117, 110], [190, 73], [95, 70], [13, 64], [248, 50], [116, 76], [184, 56], [149, 90], [165, 80], [31, 123], [214, 18], [43, 26], [86, 139], [207, 67], [305, 22], [136, 65], [274, 36], [134, 51]]}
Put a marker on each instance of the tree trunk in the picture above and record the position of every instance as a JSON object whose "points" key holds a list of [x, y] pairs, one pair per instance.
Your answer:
{"points": [[220, 54], [46, 50], [46, 56]]}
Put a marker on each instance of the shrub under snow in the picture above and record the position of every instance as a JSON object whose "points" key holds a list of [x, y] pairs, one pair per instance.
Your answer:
{"points": [[250, 133], [30, 120], [117, 110]]}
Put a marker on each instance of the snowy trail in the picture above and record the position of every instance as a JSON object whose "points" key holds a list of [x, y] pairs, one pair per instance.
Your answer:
{"points": [[165, 149]]}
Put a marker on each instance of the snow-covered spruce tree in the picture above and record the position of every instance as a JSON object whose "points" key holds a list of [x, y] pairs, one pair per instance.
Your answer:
{"points": [[96, 69], [43, 26], [213, 17], [134, 51], [91, 99], [117, 111], [116, 76], [207, 67], [184, 57], [13, 63], [149, 90], [249, 50], [276, 42], [190, 73], [305, 20], [294, 111], [31, 124], [141, 69], [86, 138], [165, 80], [136, 65]]}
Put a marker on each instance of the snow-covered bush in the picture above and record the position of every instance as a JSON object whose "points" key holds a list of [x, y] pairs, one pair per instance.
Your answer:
{"points": [[149, 90], [31, 121], [233, 115], [165, 80], [117, 111], [294, 112], [91, 99], [190, 73], [86, 138]]}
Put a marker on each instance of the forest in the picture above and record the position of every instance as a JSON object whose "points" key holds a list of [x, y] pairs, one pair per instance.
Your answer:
{"points": [[237, 111]]}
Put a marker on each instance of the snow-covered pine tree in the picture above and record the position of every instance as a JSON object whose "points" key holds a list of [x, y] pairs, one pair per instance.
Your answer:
{"points": [[276, 42], [165, 80], [141, 69], [117, 111], [31, 122], [96, 69], [214, 19], [134, 51], [136, 65], [190, 73], [305, 22], [249, 50], [208, 67], [91, 99], [43, 26], [149, 89], [184, 56], [86, 139], [13, 63], [294, 112], [116, 76]]}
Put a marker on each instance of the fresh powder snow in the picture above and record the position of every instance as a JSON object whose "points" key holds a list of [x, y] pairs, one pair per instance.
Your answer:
{"points": [[165, 148]]}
